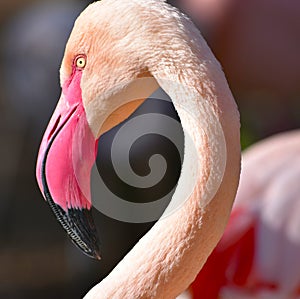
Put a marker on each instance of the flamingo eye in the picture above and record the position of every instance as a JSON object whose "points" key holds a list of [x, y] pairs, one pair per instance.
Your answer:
{"points": [[80, 62]]}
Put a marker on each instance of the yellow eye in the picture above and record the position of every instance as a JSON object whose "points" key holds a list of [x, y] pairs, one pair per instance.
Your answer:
{"points": [[81, 62]]}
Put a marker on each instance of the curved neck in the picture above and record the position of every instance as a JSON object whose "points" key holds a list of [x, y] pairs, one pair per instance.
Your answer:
{"points": [[167, 259]]}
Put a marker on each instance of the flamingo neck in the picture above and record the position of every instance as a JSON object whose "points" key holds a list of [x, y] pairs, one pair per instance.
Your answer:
{"points": [[168, 258]]}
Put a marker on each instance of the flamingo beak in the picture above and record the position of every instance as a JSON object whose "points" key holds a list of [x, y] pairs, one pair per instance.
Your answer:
{"points": [[67, 153]]}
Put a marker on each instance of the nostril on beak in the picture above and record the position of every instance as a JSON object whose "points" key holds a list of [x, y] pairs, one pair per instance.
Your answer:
{"points": [[54, 128]]}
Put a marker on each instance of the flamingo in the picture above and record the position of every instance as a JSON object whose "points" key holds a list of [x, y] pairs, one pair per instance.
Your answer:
{"points": [[259, 254], [118, 53]]}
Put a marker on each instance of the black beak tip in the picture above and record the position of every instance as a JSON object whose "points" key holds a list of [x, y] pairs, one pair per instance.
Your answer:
{"points": [[96, 255], [82, 231], [80, 227], [89, 249]]}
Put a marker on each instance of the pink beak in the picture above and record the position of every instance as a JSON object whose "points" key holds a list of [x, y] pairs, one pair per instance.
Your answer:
{"points": [[66, 156]]}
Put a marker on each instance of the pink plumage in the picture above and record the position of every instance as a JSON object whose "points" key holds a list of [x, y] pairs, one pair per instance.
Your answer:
{"points": [[259, 254]]}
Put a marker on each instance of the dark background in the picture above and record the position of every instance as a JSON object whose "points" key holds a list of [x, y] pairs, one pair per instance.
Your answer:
{"points": [[258, 47]]}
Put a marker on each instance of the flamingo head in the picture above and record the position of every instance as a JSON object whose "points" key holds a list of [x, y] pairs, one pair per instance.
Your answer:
{"points": [[96, 78]]}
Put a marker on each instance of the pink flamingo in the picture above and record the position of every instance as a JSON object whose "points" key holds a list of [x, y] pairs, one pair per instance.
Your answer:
{"points": [[259, 254], [116, 46]]}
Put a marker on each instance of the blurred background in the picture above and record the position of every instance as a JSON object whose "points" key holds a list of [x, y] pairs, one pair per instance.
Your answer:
{"points": [[258, 44]]}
